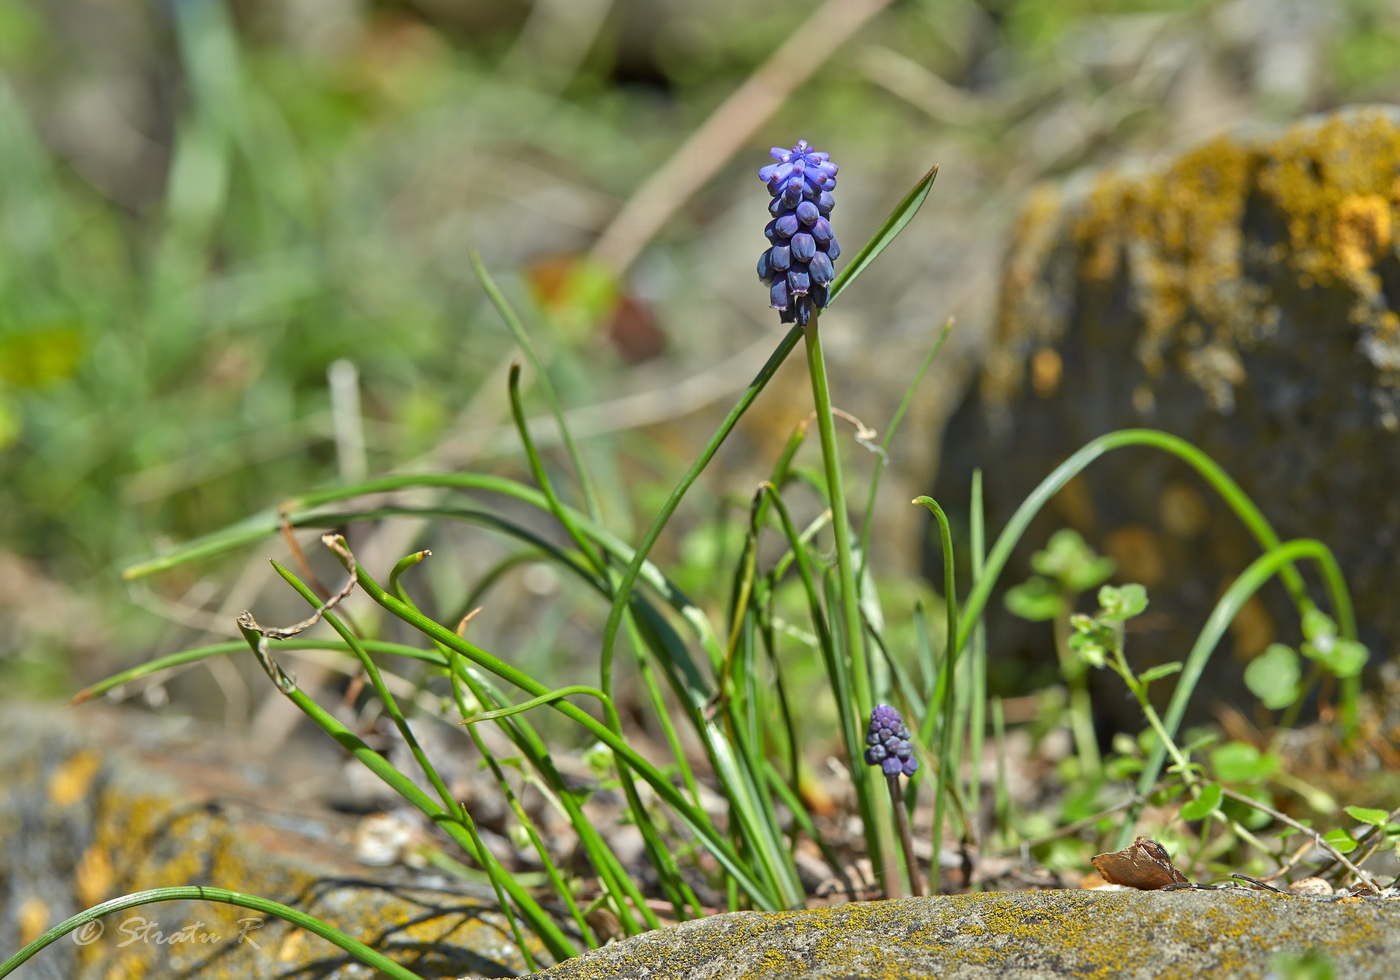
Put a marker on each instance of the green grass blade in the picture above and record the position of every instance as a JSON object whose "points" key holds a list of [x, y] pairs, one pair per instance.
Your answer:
{"points": [[902, 214], [639, 556], [449, 815], [300, 511], [616, 883], [556, 878], [197, 654], [944, 689], [694, 818], [546, 485], [838, 678], [868, 521], [610, 869], [977, 727], [522, 338], [1244, 508], [304, 512], [648, 830], [204, 893]]}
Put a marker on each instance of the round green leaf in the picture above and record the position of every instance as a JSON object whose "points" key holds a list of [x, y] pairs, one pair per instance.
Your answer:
{"points": [[1036, 599], [1363, 814], [1273, 676], [1240, 762], [1122, 602], [1341, 840]]}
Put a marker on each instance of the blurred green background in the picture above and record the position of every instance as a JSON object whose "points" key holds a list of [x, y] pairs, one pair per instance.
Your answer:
{"points": [[234, 240]]}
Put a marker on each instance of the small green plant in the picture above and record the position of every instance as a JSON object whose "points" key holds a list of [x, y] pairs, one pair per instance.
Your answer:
{"points": [[1228, 782], [1314, 964], [1066, 569]]}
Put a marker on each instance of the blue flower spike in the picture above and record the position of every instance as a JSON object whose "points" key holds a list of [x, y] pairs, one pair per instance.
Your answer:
{"points": [[888, 743], [888, 746], [797, 267]]}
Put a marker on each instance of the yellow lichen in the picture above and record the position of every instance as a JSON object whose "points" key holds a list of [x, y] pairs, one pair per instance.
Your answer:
{"points": [[1362, 231], [1177, 238], [71, 781], [93, 877]]}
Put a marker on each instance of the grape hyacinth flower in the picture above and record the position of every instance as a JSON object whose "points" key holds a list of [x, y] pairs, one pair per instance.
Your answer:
{"points": [[797, 265], [889, 748], [888, 741]]}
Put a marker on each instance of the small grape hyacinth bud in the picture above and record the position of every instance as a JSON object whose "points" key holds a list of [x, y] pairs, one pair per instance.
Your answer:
{"points": [[888, 741], [797, 268]]}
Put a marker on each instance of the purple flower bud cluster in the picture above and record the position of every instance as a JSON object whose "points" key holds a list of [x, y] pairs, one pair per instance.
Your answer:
{"points": [[888, 738], [797, 266]]}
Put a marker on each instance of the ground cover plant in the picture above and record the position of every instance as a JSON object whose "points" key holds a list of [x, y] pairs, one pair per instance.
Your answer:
{"points": [[721, 687]]}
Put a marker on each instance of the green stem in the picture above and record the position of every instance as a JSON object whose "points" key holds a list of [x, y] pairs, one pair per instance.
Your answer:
{"points": [[840, 520], [1076, 675], [1119, 663], [879, 841]]}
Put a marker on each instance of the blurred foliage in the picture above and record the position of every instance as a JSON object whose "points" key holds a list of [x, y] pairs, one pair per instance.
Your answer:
{"points": [[205, 205]]}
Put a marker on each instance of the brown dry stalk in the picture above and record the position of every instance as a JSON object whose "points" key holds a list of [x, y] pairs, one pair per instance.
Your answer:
{"points": [[717, 139]]}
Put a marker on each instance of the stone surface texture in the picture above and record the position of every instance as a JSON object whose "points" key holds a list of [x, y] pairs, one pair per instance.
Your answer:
{"points": [[97, 803], [1157, 935], [1246, 297]]}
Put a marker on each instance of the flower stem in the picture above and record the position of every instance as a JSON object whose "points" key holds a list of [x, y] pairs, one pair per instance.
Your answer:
{"points": [[906, 837], [877, 824]]}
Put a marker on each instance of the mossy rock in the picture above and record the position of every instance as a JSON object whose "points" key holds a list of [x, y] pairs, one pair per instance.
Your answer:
{"points": [[1023, 935], [96, 803], [1246, 297]]}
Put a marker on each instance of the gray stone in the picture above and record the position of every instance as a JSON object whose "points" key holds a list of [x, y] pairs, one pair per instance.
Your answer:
{"points": [[97, 803], [1245, 296], [1026, 935]]}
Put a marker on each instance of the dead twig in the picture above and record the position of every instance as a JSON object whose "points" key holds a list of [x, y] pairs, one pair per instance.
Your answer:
{"points": [[248, 625], [711, 145], [1337, 856]]}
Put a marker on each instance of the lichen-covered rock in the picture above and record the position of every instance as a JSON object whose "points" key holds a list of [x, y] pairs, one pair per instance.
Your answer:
{"points": [[1244, 296], [95, 804], [1020, 935]]}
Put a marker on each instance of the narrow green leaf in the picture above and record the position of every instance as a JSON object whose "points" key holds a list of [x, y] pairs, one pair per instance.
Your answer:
{"points": [[1161, 670], [205, 893], [868, 521], [546, 698], [902, 214], [517, 331]]}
